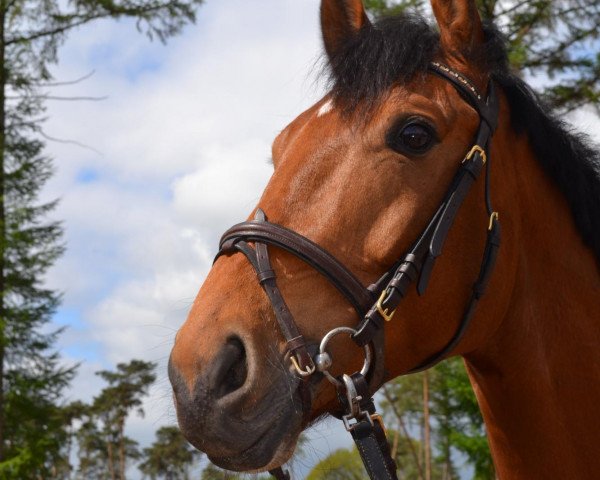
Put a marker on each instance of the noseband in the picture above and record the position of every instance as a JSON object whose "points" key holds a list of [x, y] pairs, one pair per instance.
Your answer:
{"points": [[377, 303]]}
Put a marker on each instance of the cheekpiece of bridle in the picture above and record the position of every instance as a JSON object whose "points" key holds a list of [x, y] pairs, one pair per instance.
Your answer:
{"points": [[376, 304]]}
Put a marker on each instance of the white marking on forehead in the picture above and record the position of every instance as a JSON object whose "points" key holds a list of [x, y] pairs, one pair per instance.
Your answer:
{"points": [[325, 108]]}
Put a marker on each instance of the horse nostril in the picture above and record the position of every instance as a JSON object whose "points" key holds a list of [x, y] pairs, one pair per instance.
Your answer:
{"points": [[229, 370]]}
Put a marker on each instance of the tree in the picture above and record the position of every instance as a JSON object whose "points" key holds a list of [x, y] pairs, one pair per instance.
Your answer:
{"points": [[32, 377], [212, 472], [557, 40], [458, 418], [341, 464], [169, 457], [93, 455], [403, 410], [124, 393], [454, 422]]}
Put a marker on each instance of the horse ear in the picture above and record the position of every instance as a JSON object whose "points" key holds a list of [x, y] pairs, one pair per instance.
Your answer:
{"points": [[341, 20], [460, 27]]}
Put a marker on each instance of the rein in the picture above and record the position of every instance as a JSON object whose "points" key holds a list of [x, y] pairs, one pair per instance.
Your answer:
{"points": [[376, 304]]}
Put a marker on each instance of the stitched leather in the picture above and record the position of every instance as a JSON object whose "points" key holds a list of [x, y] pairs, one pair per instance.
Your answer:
{"points": [[306, 250], [374, 450], [369, 436]]}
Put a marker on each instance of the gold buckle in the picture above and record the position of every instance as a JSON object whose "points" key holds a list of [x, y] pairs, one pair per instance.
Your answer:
{"points": [[303, 373], [494, 216], [473, 151], [384, 313]]}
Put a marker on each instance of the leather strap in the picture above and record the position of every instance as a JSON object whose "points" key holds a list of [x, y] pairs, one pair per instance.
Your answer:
{"points": [[262, 232], [318, 258], [466, 88], [280, 474], [368, 433], [374, 450], [417, 264], [492, 247], [260, 261]]}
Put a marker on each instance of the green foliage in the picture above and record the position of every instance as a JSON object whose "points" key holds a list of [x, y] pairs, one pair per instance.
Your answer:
{"points": [[552, 39], [455, 421], [92, 453], [32, 378], [342, 464], [169, 457], [212, 472], [127, 386], [460, 424], [35, 429]]}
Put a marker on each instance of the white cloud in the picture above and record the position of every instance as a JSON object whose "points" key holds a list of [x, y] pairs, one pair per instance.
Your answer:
{"points": [[184, 140], [226, 189]]}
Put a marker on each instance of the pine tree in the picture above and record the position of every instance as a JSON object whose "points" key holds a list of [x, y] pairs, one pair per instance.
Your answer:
{"points": [[169, 457], [127, 386], [32, 377]]}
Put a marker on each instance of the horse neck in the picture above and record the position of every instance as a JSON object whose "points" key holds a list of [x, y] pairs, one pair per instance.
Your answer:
{"points": [[538, 379]]}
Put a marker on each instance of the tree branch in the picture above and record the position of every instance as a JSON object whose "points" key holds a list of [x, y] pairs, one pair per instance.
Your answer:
{"points": [[70, 142], [68, 82], [392, 403], [74, 20]]}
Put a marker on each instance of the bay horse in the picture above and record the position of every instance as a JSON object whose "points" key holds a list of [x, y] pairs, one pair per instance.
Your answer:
{"points": [[361, 175]]}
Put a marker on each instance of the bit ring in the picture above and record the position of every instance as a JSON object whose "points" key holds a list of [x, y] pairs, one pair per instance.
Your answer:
{"points": [[323, 353]]}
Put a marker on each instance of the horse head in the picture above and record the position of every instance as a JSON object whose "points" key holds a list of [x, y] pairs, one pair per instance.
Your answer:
{"points": [[361, 175]]}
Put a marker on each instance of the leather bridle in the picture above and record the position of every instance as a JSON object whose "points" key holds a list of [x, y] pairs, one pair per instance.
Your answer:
{"points": [[376, 304]]}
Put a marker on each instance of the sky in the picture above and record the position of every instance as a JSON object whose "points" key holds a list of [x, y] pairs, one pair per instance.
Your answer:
{"points": [[150, 176]]}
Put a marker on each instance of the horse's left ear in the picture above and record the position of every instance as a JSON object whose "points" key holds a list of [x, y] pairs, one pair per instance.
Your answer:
{"points": [[460, 27], [340, 21]]}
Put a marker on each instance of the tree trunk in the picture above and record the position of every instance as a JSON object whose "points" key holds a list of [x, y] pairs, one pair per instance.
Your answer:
{"points": [[111, 459], [2, 223], [122, 448], [416, 454], [395, 443], [426, 426]]}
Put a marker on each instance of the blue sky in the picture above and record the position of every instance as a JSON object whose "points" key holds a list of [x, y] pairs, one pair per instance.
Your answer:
{"points": [[143, 207]]}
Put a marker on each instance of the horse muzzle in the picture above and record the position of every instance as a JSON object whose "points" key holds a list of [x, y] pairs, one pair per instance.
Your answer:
{"points": [[242, 420]]}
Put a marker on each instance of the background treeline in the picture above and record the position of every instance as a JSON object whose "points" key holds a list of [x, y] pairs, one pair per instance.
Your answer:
{"points": [[433, 421], [434, 428]]}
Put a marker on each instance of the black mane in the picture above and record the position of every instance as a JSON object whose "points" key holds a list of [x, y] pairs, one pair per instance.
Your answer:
{"points": [[398, 49]]}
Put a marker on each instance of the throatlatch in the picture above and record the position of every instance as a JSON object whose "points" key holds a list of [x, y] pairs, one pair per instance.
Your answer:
{"points": [[376, 304]]}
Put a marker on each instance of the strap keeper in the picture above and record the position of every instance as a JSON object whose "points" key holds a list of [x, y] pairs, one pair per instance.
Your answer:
{"points": [[265, 275], [295, 343]]}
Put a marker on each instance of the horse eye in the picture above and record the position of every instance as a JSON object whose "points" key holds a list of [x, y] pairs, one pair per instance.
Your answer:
{"points": [[414, 138]]}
